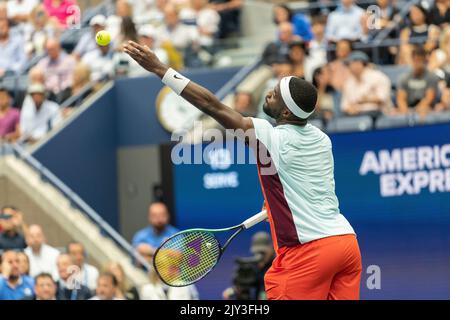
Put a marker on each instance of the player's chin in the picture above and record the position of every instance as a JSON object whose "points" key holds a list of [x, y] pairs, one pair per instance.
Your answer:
{"points": [[267, 110]]}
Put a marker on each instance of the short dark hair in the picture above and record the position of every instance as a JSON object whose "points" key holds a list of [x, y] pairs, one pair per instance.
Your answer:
{"points": [[107, 274], [303, 93], [74, 242], [419, 51], [44, 275]]}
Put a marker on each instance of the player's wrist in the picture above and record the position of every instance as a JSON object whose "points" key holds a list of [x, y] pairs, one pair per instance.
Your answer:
{"points": [[175, 80]]}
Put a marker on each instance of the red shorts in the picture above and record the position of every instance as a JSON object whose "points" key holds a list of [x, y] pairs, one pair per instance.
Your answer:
{"points": [[328, 268]]}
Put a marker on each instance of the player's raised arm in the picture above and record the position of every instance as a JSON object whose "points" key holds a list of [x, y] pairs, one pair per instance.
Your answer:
{"points": [[199, 96]]}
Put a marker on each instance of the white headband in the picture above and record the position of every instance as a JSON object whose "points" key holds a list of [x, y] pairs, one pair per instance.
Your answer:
{"points": [[290, 103]]}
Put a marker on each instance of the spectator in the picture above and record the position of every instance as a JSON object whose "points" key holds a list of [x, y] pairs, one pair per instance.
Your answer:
{"points": [[38, 115], [10, 237], [114, 22], [303, 64], [345, 22], [60, 11], [58, 66], [180, 35], [280, 47], [124, 290], [337, 68], [150, 238], [206, 19], [19, 10], [229, 12], [24, 263], [325, 104], [366, 90], [88, 273], [42, 256], [36, 75], [148, 37], [9, 117], [444, 104], [13, 285], [302, 27], [417, 89], [44, 288], [69, 285], [440, 58], [440, 13], [87, 41], [81, 79], [127, 32], [318, 44], [100, 62], [40, 29], [418, 32], [107, 286], [3, 10], [12, 54], [148, 11], [156, 290], [243, 103]]}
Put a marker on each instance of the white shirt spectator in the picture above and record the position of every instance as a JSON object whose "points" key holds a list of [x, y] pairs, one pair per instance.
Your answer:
{"points": [[88, 276], [207, 20], [36, 123], [159, 291], [100, 64], [44, 261], [182, 36], [344, 23], [20, 7]]}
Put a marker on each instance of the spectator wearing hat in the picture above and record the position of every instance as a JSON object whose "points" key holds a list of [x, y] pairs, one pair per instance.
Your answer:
{"points": [[58, 66], [345, 22], [9, 117], [12, 54], [13, 229], [38, 115], [366, 90], [417, 89], [87, 41]]}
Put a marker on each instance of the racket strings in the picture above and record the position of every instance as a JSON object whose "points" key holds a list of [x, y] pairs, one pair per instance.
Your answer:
{"points": [[187, 257]]}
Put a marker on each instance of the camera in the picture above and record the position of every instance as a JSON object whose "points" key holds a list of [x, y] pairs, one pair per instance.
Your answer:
{"points": [[246, 278]]}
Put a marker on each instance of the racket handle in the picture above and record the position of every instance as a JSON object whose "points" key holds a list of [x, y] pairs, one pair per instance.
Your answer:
{"points": [[257, 218]]}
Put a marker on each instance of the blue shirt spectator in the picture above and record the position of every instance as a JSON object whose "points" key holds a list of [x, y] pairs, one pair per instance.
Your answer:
{"points": [[148, 239], [302, 26], [14, 286], [345, 22], [12, 54]]}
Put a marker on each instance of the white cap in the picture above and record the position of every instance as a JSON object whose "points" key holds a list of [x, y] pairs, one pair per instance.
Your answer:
{"points": [[147, 31], [98, 20], [36, 88]]}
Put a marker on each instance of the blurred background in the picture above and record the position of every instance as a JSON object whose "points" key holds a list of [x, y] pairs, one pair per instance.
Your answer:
{"points": [[88, 185]]}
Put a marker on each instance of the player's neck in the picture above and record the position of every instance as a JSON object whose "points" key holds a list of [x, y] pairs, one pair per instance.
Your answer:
{"points": [[300, 123]]}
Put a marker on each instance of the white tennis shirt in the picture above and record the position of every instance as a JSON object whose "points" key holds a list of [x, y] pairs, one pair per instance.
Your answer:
{"points": [[298, 183]]}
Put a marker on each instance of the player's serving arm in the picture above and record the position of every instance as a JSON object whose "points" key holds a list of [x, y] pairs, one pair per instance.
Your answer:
{"points": [[317, 252], [200, 97]]}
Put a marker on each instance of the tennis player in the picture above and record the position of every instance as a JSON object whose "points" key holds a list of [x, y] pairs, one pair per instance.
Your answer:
{"points": [[317, 252]]}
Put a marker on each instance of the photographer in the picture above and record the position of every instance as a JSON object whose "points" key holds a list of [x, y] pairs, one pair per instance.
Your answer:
{"points": [[248, 279]]}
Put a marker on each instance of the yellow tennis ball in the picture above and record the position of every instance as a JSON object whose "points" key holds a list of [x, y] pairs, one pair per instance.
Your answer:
{"points": [[103, 38]]}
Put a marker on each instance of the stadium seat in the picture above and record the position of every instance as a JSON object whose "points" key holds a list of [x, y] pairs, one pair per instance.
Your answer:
{"points": [[393, 72], [345, 124], [438, 117], [385, 122]]}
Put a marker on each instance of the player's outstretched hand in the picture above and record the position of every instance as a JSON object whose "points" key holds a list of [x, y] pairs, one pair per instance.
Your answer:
{"points": [[143, 55]]}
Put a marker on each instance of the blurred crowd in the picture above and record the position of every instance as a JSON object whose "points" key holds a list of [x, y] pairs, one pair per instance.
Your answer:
{"points": [[31, 269], [334, 50], [183, 33]]}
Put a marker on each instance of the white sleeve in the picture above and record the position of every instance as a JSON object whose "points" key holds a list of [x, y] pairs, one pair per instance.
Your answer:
{"points": [[266, 134]]}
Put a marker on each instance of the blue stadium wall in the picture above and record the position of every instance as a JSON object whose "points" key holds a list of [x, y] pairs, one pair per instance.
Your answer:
{"points": [[400, 210]]}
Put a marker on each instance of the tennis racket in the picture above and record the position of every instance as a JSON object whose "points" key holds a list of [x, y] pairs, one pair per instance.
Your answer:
{"points": [[188, 256]]}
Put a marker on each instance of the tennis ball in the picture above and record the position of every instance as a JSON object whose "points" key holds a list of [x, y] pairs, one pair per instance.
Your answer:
{"points": [[103, 38]]}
